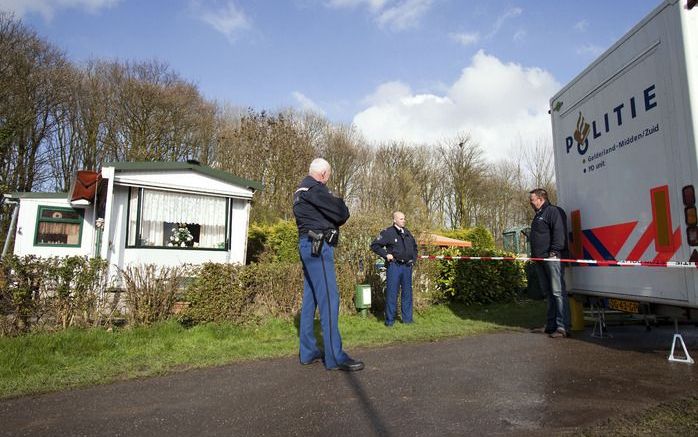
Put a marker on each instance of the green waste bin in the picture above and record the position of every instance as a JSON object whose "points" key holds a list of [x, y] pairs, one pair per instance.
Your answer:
{"points": [[362, 298]]}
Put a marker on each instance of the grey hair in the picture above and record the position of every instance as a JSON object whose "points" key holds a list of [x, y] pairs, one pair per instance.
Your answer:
{"points": [[540, 192], [318, 166]]}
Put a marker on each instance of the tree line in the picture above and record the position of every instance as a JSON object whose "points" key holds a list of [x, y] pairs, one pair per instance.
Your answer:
{"points": [[57, 117]]}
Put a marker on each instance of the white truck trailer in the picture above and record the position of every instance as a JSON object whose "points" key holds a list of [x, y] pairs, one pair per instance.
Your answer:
{"points": [[625, 135]]}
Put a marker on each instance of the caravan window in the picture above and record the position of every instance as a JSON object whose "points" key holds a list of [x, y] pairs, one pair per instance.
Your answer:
{"points": [[167, 219], [58, 227]]}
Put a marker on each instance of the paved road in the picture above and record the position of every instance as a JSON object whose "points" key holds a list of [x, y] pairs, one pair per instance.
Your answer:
{"points": [[499, 384]]}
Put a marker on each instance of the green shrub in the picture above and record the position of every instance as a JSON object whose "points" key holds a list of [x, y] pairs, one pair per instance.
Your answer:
{"points": [[256, 241], [77, 282], [50, 293], [218, 294], [273, 242], [480, 282], [277, 288], [20, 306], [283, 241]]}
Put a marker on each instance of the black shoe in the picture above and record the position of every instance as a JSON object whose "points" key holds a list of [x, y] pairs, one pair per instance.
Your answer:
{"points": [[350, 366]]}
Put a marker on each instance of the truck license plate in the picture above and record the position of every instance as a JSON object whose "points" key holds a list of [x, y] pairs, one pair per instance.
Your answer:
{"points": [[627, 306]]}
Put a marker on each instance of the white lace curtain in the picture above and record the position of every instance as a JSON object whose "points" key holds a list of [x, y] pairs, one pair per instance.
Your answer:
{"points": [[163, 206], [160, 207]]}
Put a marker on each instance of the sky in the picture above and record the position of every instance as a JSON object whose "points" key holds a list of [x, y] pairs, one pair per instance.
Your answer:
{"points": [[419, 71]]}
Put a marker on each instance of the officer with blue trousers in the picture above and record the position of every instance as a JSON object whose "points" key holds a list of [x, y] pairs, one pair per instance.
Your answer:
{"points": [[319, 215], [398, 247]]}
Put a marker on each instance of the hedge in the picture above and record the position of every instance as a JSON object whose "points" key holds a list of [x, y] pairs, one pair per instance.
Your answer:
{"points": [[57, 293], [480, 282], [50, 293]]}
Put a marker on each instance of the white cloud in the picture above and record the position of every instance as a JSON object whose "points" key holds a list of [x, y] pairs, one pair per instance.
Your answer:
{"points": [[496, 103], [387, 93], [590, 49], [227, 19], [470, 38], [307, 104], [465, 39], [374, 5], [394, 14], [511, 13], [47, 8], [404, 15], [581, 26]]}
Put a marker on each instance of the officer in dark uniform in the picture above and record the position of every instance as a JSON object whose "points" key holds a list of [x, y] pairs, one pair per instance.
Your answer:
{"points": [[319, 215], [398, 247]]}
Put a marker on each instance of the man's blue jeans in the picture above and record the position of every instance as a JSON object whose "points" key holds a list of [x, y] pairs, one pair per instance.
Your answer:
{"points": [[552, 284]]}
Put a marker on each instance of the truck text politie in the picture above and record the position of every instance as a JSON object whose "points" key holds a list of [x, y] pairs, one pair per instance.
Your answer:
{"points": [[626, 163]]}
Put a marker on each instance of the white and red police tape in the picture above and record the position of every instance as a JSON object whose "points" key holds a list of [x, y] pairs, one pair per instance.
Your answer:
{"points": [[581, 262]]}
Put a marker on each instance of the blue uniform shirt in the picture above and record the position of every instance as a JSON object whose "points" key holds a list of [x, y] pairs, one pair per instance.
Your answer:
{"points": [[401, 245], [316, 209]]}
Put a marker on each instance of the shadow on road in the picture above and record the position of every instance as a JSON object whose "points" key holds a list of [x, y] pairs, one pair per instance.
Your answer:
{"points": [[377, 422], [621, 333]]}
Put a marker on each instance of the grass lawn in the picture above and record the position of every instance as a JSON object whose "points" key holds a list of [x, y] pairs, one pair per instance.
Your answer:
{"points": [[677, 418], [48, 362]]}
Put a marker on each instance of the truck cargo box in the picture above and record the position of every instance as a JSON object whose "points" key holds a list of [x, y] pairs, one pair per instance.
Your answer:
{"points": [[624, 135]]}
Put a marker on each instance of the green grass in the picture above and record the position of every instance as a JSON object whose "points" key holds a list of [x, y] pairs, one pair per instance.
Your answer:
{"points": [[672, 418], [74, 358]]}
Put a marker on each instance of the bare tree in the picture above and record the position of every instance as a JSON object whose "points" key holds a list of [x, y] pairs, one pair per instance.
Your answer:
{"points": [[539, 161], [31, 88], [270, 149], [430, 183], [346, 152], [154, 114], [465, 168], [393, 176]]}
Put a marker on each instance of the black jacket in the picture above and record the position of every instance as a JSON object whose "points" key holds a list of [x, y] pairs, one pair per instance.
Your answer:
{"points": [[548, 232], [316, 209], [401, 245]]}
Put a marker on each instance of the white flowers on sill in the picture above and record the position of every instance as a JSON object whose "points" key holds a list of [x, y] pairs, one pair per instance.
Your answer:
{"points": [[181, 236]]}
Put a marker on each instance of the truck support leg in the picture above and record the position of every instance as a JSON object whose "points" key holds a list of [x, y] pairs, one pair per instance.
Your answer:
{"points": [[687, 358], [599, 314]]}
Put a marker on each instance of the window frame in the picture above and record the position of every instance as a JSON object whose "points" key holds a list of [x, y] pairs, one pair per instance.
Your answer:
{"points": [[39, 219], [139, 208]]}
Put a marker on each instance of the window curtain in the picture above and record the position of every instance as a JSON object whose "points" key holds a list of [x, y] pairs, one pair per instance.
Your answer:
{"points": [[48, 230], [212, 236], [159, 207], [132, 216]]}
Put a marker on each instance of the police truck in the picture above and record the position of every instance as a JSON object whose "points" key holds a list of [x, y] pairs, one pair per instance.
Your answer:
{"points": [[626, 162]]}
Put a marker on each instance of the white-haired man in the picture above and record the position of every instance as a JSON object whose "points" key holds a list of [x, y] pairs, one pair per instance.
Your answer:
{"points": [[319, 215]]}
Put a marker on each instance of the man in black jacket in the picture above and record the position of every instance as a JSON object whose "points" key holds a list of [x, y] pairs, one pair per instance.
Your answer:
{"points": [[397, 246], [319, 215], [548, 238]]}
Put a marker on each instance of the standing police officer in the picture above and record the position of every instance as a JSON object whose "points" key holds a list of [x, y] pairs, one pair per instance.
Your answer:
{"points": [[319, 215], [398, 247]]}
